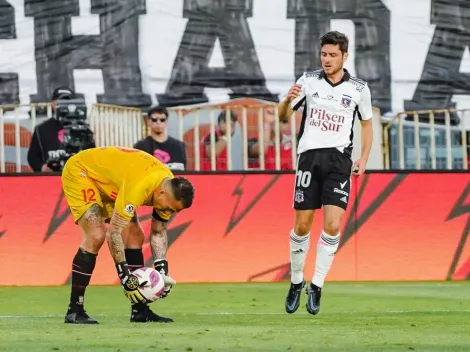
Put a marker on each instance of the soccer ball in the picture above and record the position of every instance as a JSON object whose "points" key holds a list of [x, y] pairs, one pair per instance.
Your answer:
{"points": [[151, 284]]}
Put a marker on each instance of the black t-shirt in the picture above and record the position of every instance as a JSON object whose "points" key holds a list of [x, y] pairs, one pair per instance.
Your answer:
{"points": [[172, 152]]}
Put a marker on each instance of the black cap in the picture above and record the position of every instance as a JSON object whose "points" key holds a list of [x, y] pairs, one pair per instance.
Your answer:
{"points": [[63, 93]]}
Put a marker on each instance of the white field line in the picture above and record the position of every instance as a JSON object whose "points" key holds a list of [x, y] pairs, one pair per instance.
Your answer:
{"points": [[251, 313]]}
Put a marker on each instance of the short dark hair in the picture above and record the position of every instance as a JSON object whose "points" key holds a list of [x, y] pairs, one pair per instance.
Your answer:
{"points": [[158, 110], [335, 38], [183, 190], [222, 117]]}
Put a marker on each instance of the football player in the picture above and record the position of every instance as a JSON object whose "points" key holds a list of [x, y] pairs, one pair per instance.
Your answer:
{"points": [[107, 185], [332, 101]]}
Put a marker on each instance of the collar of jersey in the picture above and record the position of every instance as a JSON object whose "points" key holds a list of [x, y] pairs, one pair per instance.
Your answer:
{"points": [[345, 78]]}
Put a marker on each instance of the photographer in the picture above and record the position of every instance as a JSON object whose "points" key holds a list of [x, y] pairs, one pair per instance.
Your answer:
{"points": [[47, 144]]}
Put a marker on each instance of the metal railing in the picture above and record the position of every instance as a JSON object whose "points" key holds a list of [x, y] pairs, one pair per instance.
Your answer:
{"points": [[427, 143], [124, 126], [116, 125], [251, 121], [112, 125], [19, 133], [405, 144]]}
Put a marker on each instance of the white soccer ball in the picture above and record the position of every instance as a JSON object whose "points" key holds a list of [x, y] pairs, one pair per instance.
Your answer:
{"points": [[151, 284]]}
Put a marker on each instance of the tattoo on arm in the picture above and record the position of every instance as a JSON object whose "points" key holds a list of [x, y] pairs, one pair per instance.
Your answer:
{"points": [[114, 237], [159, 239], [116, 247]]}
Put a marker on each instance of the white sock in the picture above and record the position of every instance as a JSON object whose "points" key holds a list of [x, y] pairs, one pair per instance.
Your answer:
{"points": [[298, 252], [326, 250]]}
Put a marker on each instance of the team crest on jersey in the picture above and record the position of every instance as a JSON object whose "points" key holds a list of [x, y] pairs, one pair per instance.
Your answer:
{"points": [[299, 196], [346, 101], [129, 209]]}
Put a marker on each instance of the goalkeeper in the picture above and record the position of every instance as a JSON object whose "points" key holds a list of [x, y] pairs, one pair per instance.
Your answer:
{"points": [[108, 184]]}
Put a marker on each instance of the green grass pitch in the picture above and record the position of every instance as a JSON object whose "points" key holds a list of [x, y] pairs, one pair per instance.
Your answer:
{"points": [[245, 317]]}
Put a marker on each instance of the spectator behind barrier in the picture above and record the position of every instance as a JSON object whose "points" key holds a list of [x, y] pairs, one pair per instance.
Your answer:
{"points": [[269, 137], [48, 136], [165, 148], [220, 143]]}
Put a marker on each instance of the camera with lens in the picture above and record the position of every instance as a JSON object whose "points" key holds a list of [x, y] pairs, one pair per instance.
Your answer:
{"points": [[77, 135]]}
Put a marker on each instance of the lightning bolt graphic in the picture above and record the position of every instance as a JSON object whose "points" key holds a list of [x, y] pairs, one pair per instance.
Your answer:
{"points": [[237, 216], [60, 214], [460, 208], [2, 232]]}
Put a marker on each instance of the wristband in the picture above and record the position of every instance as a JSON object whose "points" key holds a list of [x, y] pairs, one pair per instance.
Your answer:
{"points": [[122, 269], [161, 266]]}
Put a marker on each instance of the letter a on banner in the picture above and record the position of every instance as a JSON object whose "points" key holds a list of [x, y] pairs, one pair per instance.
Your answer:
{"points": [[440, 79], [207, 21]]}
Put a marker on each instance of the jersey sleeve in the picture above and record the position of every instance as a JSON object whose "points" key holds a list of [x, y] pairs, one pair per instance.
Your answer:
{"points": [[365, 104], [132, 194], [299, 101]]}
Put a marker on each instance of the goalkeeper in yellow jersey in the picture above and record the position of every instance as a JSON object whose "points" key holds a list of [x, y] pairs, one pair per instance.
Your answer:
{"points": [[107, 185]]}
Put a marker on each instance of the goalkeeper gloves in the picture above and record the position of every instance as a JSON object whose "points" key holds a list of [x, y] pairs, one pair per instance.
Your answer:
{"points": [[162, 267], [130, 283]]}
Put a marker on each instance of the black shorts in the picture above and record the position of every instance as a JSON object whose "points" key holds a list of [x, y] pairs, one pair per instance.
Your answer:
{"points": [[323, 177]]}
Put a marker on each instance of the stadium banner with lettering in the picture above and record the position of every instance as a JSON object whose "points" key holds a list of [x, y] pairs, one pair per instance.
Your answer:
{"points": [[397, 227], [138, 52]]}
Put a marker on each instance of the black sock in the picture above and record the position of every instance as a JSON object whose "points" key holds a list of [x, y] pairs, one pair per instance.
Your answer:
{"points": [[134, 258], [82, 268]]}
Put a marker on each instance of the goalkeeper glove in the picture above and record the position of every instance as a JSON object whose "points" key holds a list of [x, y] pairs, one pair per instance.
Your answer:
{"points": [[130, 283], [162, 267]]}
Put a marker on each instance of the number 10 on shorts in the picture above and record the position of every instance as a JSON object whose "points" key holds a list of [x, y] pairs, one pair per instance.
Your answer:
{"points": [[303, 178]]}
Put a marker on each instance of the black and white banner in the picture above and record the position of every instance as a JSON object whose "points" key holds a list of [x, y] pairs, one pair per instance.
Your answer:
{"points": [[414, 54]]}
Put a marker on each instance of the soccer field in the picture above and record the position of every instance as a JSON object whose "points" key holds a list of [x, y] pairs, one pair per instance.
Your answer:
{"points": [[246, 317]]}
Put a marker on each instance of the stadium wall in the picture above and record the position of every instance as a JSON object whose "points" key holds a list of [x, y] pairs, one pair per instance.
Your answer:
{"points": [[399, 226]]}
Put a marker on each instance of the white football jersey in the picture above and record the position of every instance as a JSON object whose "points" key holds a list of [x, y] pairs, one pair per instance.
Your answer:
{"points": [[330, 110]]}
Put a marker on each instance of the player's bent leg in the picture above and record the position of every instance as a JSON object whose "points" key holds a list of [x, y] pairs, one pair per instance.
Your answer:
{"points": [[133, 238], [94, 233], [299, 246], [326, 250], [94, 229]]}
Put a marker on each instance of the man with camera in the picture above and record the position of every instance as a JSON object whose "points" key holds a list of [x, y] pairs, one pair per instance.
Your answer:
{"points": [[49, 144]]}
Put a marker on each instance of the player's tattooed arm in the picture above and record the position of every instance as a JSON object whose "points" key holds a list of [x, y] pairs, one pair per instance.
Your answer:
{"points": [[114, 237], [159, 239]]}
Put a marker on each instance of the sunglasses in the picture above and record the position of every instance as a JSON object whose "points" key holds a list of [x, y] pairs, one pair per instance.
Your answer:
{"points": [[155, 119]]}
